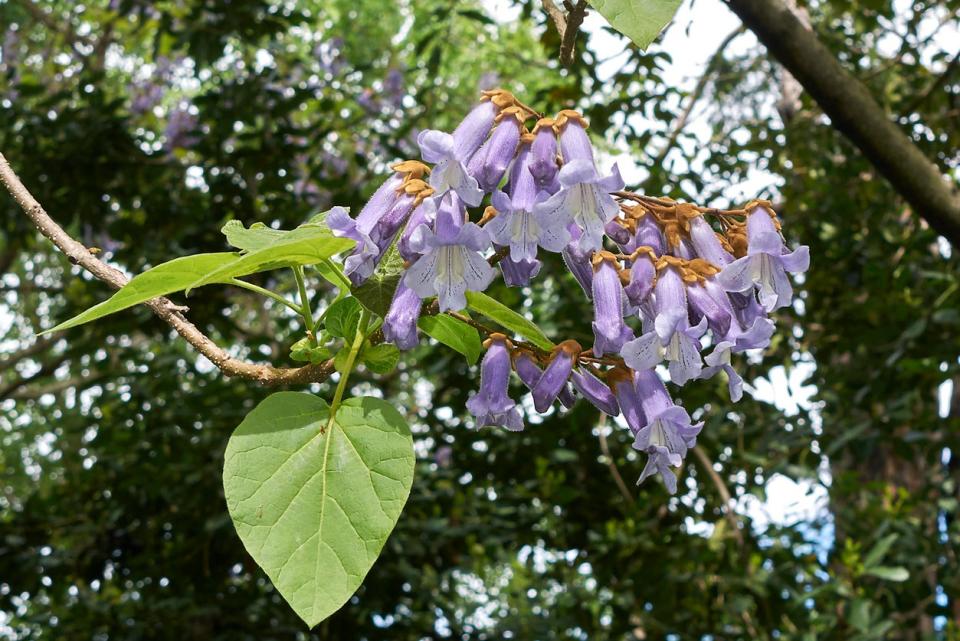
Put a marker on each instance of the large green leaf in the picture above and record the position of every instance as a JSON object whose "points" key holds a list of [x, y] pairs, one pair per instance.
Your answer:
{"points": [[256, 237], [640, 20], [495, 310], [453, 333], [161, 280], [305, 245], [314, 500]]}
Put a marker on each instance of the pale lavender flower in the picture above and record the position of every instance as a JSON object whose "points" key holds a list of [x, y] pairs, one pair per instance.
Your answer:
{"points": [[766, 263], [492, 159], [671, 337], [555, 376], [491, 405], [400, 323], [643, 274], [425, 214], [515, 226], [609, 330], [452, 259], [668, 432], [584, 197], [706, 243], [449, 172]]}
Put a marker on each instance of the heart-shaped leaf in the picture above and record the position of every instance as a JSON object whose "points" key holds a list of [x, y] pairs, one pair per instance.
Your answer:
{"points": [[314, 499], [640, 20]]}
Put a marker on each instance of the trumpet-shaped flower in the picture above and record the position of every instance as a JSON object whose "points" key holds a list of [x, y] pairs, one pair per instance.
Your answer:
{"points": [[609, 329], [452, 259], [491, 405]]}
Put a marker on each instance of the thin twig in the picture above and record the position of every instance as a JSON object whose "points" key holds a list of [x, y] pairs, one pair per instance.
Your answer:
{"points": [[707, 465], [567, 24], [162, 307], [611, 464]]}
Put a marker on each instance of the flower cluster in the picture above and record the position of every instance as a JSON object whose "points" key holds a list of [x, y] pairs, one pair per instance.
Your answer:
{"points": [[667, 287]]}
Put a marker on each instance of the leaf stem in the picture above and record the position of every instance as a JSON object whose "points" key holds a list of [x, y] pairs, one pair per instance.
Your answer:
{"points": [[305, 310], [358, 339], [264, 292]]}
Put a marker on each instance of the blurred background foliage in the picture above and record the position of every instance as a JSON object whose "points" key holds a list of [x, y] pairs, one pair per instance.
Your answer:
{"points": [[143, 126]]}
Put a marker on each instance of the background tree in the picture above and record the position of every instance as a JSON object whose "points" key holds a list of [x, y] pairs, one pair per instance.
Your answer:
{"points": [[142, 127]]}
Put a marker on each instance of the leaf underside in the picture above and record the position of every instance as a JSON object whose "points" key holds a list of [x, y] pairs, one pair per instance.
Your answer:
{"points": [[314, 506], [640, 20]]}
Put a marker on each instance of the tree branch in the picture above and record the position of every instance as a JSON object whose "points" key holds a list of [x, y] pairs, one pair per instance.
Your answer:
{"points": [[854, 112], [722, 490], [567, 24], [162, 307]]}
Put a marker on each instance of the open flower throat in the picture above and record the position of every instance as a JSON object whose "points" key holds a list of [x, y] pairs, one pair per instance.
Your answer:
{"points": [[678, 272]]}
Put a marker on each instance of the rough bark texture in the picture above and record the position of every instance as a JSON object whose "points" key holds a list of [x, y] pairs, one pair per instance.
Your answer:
{"points": [[854, 112]]}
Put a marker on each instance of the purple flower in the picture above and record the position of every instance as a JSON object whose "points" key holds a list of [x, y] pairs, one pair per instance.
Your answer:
{"points": [[584, 197], [609, 330], [530, 374], [492, 159], [595, 391], [380, 219], [668, 433], [623, 383], [515, 226], [449, 172], [543, 150], [554, 378], [706, 243], [643, 274], [425, 214], [577, 261], [766, 262], [491, 405], [713, 303], [672, 337], [400, 323], [452, 260], [519, 273]]}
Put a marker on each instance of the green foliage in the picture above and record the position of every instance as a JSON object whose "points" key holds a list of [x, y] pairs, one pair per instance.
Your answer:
{"points": [[314, 496], [453, 333], [343, 317], [507, 318], [640, 20], [377, 291], [166, 278]]}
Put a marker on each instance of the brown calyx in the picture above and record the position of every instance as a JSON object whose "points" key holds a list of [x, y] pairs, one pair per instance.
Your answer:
{"points": [[691, 271], [513, 111], [488, 214], [417, 188], [495, 337], [767, 206], [569, 347], [545, 122], [602, 255], [565, 116]]}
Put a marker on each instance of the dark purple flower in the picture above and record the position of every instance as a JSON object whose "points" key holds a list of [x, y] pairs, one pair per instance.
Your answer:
{"points": [[643, 274], [623, 383], [530, 374], [595, 391], [609, 330], [492, 405], [577, 260], [555, 376], [543, 149], [400, 323], [519, 273]]}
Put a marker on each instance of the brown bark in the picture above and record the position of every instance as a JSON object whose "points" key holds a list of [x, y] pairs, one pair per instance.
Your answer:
{"points": [[854, 112]]}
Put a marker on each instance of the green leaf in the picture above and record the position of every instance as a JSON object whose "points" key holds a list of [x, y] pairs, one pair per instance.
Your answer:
{"points": [[506, 317], [256, 237], [161, 280], [887, 573], [343, 317], [306, 245], [453, 333], [640, 20], [380, 359], [305, 351], [376, 292], [312, 503], [879, 550]]}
